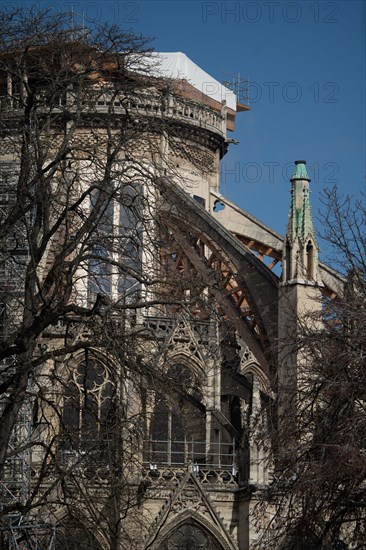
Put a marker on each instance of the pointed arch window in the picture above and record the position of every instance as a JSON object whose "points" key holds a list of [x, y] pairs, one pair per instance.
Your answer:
{"points": [[116, 246], [178, 426], [190, 536], [88, 414], [310, 260], [288, 262]]}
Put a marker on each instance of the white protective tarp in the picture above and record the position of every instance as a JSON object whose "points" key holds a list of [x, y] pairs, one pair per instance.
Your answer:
{"points": [[178, 66]]}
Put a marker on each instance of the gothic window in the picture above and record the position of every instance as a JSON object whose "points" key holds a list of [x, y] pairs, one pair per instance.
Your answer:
{"points": [[88, 409], [178, 430], [130, 206], [288, 262], [310, 260], [117, 241], [73, 535], [130, 231], [100, 273], [190, 536]]}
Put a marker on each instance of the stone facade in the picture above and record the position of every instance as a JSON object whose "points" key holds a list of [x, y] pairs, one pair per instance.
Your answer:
{"points": [[197, 472]]}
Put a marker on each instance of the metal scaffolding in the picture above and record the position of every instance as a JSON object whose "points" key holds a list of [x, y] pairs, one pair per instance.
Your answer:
{"points": [[19, 531]]}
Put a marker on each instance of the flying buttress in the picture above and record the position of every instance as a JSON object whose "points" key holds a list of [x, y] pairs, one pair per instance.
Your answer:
{"points": [[243, 287]]}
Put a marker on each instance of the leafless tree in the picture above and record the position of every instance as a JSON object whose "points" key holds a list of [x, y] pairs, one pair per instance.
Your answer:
{"points": [[317, 497], [80, 259]]}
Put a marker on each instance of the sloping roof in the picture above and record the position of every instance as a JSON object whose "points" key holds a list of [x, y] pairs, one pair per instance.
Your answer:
{"points": [[177, 65]]}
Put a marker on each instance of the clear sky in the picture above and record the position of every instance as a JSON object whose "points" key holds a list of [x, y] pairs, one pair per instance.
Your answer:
{"points": [[305, 61]]}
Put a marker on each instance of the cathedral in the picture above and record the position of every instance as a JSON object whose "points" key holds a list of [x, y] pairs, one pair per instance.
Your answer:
{"points": [[156, 313]]}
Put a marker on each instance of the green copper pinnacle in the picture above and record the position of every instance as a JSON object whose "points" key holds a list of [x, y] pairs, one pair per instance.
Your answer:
{"points": [[300, 172], [300, 218]]}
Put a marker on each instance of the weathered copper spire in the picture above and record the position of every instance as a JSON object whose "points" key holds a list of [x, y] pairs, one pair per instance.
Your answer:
{"points": [[301, 251]]}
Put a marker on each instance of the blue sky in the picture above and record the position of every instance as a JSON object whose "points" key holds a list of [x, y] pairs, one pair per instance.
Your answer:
{"points": [[306, 65], [305, 61]]}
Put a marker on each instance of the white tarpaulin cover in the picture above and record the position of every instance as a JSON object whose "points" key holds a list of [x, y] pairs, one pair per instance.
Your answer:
{"points": [[178, 65]]}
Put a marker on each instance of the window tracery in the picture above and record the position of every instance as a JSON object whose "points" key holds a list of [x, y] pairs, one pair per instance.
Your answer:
{"points": [[178, 429], [190, 536], [88, 408]]}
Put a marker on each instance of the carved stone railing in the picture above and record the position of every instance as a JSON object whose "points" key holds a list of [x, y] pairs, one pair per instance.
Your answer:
{"points": [[145, 104], [205, 475], [170, 107], [163, 327]]}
